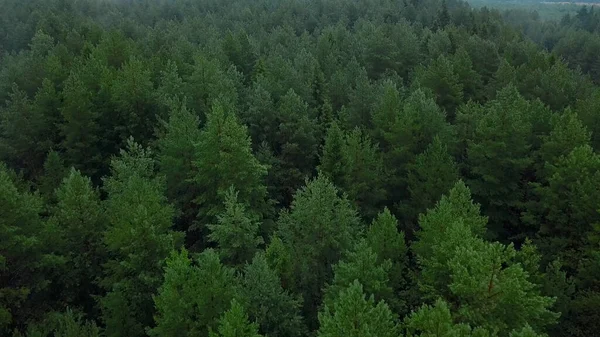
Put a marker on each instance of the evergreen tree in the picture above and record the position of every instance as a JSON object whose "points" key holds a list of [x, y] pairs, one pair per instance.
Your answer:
{"points": [[223, 158], [354, 315], [363, 175], [176, 157], [389, 244], [436, 321], [484, 280], [23, 263], [138, 239], [276, 311], [432, 174], [441, 78], [361, 264], [76, 226], [498, 158], [80, 127], [316, 230], [193, 297], [234, 323], [235, 233], [331, 155], [54, 172]]}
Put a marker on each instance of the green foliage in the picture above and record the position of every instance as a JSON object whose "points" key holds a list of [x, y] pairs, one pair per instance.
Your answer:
{"points": [[235, 233], [208, 288], [354, 315], [22, 261], [138, 239], [316, 230], [276, 310], [441, 78], [436, 321], [432, 174], [234, 323], [75, 231], [223, 158], [54, 172]]}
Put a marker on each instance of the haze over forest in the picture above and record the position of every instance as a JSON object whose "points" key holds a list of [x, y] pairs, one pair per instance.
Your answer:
{"points": [[293, 168]]}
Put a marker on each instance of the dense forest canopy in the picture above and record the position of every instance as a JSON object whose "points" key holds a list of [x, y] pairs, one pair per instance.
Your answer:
{"points": [[298, 168]]}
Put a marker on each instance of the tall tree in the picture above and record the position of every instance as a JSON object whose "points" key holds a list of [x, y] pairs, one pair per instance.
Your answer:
{"points": [[223, 158], [234, 323], [138, 239], [354, 315], [175, 160], [432, 174], [208, 288], [276, 310], [76, 226], [235, 232], [316, 230]]}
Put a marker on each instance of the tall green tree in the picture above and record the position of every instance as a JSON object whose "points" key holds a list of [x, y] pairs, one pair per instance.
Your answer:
{"points": [[484, 281], [234, 323], [76, 227], [235, 232], [353, 314], [319, 226], [437, 321], [175, 160], [138, 239], [23, 260], [223, 158], [208, 288], [277, 311], [432, 174]]}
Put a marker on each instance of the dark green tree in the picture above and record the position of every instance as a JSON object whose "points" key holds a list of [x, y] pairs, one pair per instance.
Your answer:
{"points": [[276, 310], [235, 232], [138, 239], [352, 314], [234, 323], [208, 288]]}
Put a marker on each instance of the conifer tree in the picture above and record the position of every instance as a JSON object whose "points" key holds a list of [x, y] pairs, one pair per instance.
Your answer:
{"points": [[361, 264], [138, 239], [236, 232], [436, 321], [276, 310], [193, 295], [431, 175], [76, 225], [354, 315], [175, 159], [54, 172], [234, 323], [316, 230], [223, 158]]}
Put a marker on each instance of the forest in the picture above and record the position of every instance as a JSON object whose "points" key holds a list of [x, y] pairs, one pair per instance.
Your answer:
{"points": [[294, 168]]}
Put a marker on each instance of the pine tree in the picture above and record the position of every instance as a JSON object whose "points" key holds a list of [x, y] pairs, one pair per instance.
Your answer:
{"points": [[138, 239], [76, 226], [316, 230], [389, 244], [432, 174], [276, 311], [54, 172], [80, 127], [441, 78], [234, 323], [223, 158], [353, 315], [22, 258], [363, 174], [436, 321], [485, 281], [498, 157], [331, 164], [208, 289], [175, 159], [361, 263], [236, 233]]}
